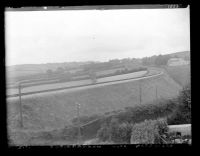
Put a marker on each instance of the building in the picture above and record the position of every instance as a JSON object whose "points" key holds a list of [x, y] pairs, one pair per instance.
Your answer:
{"points": [[177, 62]]}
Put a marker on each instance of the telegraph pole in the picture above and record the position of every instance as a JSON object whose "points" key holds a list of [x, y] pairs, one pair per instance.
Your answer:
{"points": [[156, 92], [79, 128], [20, 106], [140, 92]]}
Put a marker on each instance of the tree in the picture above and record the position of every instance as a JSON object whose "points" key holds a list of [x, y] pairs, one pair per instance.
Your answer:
{"points": [[49, 72], [182, 115], [115, 131], [59, 70], [187, 58], [149, 60], [93, 76], [162, 60]]}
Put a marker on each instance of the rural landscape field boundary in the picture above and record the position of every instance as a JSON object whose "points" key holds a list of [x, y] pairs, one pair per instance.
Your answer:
{"points": [[63, 88]]}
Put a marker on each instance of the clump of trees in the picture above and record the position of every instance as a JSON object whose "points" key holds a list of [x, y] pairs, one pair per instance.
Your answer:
{"points": [[182, 114], [146, 132], [115, 132], [143, 121], [93, 76], [49, 72], [61, 73], [156, 60], [149, 132], [58, 70], [162, 60]]}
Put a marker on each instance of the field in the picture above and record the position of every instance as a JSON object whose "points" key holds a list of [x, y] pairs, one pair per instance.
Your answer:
{"points": [[181, 74], [57, 109], [75, 83]]}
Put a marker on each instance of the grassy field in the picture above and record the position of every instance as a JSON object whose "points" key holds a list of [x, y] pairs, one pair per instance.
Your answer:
{"points": [[75, 83], [181, 74], [55, 110]]}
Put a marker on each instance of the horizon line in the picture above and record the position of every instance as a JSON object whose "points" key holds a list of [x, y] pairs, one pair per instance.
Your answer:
{"points": [[93, 60]]}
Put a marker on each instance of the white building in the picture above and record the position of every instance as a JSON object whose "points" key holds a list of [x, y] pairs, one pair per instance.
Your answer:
{"points": [[177, 62]]}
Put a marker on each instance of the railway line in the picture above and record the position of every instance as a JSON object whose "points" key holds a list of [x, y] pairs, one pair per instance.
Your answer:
{"points": [[86, 86]]}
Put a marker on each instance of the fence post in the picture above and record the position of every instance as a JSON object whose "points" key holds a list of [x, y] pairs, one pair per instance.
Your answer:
{"points": [[156, 92], [140, 92], [79, 128], [20, 105]]}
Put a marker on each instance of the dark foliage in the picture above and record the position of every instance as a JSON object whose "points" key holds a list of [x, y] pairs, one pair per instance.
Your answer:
{"points": [[149, 132], [115, 132], [182, 115]]}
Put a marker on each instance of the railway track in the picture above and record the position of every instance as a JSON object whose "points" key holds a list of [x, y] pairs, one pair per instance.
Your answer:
{"points": [[98, 84]]}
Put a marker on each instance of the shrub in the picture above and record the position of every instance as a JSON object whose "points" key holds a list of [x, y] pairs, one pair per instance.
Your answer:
{"points": [[148, 111], [85, 119], [149, 132], [123, 133], [70, 133], [115, 132], [182, 114], [104, 132], [45, 135]]}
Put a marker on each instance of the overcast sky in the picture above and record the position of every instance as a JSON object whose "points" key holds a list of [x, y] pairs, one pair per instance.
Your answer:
{"points": [[99, 35]]}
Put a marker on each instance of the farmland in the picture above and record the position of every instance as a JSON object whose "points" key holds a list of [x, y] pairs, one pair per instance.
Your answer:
{"points": [[55, 110], [50, 104], [76, 83]]}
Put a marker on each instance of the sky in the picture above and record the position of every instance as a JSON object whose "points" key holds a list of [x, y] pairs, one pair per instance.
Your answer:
{"points": [[34, 37]]}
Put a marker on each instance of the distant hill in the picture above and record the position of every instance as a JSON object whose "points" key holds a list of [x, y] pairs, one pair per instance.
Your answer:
{"points": [[31, 69], [158, 60], [183, 54], [44, 67]]}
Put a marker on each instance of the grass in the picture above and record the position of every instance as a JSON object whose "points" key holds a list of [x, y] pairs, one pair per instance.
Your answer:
{"points": [[75, 83], [181, 74], [131, 115], [56, 109]]}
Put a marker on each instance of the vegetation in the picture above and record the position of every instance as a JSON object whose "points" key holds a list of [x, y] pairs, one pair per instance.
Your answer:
{"points": [[180, 74], [156, 60], [138, 124], [149, 132], [85, 119], [182, 114], [161, 60], [115, 132], [148, 111], [55, 109]]}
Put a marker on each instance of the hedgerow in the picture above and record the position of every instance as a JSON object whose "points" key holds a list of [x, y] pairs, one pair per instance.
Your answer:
{"points": [[115, 132], [149, 132], [182, 115]]}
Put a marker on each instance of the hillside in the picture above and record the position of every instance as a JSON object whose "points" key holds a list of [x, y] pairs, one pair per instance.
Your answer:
{"points": [[56, 109], [35, 69], [183, 54], [181, 74]]}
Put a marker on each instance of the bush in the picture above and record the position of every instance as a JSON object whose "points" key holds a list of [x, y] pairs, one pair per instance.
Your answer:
{"points": [[182, 114], [115, 132], [123, 133], [132, 115], [85, 119], [104, 132], [46, 135], [149, 132], [126, 71], [70, 133], [148, 111]]}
